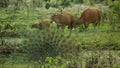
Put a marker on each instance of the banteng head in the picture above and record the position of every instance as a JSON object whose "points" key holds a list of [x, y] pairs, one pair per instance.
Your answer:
{"points": [[55, 18]]}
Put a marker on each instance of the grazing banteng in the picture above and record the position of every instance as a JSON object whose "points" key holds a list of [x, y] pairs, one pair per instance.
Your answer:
{"points": [[42, 25], [90, 15], [64, 19]]}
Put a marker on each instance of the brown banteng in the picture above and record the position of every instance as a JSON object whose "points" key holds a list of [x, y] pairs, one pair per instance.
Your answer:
{"points": [[64, 19], [90, 15], [42, 25]]}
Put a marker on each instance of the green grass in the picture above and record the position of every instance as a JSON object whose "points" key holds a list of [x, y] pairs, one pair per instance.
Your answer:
{"points": [[83, 59], [103, 39], [14, 66]]}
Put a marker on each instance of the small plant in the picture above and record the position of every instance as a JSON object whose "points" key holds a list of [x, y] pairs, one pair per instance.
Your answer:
{"points": [[81, 28]]}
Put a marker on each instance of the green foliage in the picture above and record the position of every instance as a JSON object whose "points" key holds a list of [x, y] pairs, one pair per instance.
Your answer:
{"points": [[47, 6], [4, 3], [92, 2], [46, 0], [7, 29], [116, 8], [78, 1], [52, 62], [81, 28], [65, 3], [58, 3], [87, 2], [112, 16]]}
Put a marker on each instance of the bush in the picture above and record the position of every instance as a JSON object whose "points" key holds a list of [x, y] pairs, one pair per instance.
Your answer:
{"points": [[112, 16], [47, 43], [115, 15]]}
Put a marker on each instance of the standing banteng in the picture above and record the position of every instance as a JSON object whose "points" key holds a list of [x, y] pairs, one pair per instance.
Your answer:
{"points": [[90, 15]]}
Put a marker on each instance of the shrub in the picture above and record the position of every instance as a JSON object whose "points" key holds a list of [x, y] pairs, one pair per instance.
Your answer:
{"points": [[111, 17], [48, 43]]}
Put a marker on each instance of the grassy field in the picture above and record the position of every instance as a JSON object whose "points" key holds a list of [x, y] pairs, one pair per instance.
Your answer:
{"points": [[95, 48]]}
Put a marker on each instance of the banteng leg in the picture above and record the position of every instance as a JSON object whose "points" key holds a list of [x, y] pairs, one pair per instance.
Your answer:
{"points": [[96, 29], [70, 27], [86, 27], [76, 32], [70, 31], [94, 25], [99, 27]]}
